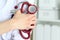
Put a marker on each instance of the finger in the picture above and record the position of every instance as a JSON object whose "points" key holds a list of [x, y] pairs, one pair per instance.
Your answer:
{"points": [[31, 17], [32, 24], [18, 12], [32, 20], [32, 27]]}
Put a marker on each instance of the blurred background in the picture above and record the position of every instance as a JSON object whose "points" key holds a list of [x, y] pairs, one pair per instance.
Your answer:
{"points": [[48, 20]]}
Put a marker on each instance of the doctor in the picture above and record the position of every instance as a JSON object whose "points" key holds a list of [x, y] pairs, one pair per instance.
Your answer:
{"points": [[9, 27]]}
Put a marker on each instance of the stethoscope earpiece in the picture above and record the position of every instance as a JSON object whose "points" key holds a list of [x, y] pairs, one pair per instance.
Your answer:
{"points": [[16, 7]]}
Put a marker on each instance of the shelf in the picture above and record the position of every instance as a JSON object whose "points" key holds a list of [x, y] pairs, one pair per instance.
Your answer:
{"points": [[51, 22]]}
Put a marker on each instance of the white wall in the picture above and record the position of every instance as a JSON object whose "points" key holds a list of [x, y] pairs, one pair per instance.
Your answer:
{"points": [[47, 32], [47, 11]]}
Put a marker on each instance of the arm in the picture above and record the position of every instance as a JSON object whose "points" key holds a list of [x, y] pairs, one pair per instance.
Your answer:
{"points": [[5, 27], [19, 21]]}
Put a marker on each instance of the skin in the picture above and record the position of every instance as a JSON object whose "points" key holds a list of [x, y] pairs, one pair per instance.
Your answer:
{"points": [[19, 21]]}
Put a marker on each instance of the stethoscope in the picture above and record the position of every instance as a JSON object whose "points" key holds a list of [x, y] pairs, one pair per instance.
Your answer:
{"points": [[27, 8]]}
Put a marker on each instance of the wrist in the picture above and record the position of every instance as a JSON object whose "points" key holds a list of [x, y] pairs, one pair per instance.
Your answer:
{"points": [[11, 24]]}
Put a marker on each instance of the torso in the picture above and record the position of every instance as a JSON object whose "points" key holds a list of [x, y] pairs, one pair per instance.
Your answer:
{"points": [[5, 14]]}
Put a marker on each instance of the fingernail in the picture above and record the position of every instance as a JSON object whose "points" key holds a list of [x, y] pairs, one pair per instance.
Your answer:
{"points": [[32, 24]]}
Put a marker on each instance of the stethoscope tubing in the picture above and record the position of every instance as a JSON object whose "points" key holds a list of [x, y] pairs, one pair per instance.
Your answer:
{"points": [[25, 31]]}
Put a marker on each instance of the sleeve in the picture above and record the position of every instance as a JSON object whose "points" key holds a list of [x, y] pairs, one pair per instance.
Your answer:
{"points": [[21, 0], [5, 11], [13, 35]]}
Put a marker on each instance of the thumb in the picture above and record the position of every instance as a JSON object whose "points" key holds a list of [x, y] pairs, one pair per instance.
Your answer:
{"points": [[18, 13]]}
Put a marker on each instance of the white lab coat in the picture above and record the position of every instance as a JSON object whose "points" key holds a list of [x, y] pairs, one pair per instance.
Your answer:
{"points": [[5, 14]]}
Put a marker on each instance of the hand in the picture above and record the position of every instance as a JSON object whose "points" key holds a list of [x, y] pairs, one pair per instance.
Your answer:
{"points": [[23, 21]]}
